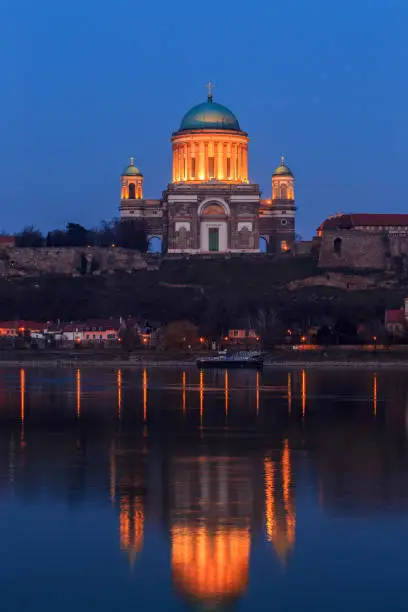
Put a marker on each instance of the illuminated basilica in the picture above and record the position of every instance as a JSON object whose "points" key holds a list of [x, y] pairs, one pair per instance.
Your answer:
{"points": [[211, 206]]}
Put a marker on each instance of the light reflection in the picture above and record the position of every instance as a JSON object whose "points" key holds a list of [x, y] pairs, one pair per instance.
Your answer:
{"points": [[257, 392], [144, 394], [119, 384], [78, 392], [183, 392], [289, 393], [131, 523], [22, 405], [303, 393], [209, 565], [226, 393], [201, 396], [280, 518], [375, 394]]}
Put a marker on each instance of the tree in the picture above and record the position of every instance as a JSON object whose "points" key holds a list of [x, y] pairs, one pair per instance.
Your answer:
{"points": [[131, 234], [30, 237], [181, 335], [269, 326], [76, 235], [129, 336]]}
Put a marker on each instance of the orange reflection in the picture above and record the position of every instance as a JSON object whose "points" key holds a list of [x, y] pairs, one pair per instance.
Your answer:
{"points": [[22, 395], [375, 394], [207, 565], [119, 384], [183, 392], [201, 396], [78, 392], [226, 393], [289, 393], [257, 392], [303, 393], [144, 394], [280, 518], [131, 523]]}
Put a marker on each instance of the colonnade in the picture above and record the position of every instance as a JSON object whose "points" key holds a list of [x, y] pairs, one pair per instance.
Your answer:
{"points": [[202, 160]]}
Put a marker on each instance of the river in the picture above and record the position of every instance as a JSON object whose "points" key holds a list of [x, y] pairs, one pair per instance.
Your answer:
{"points": [[171, 489]]}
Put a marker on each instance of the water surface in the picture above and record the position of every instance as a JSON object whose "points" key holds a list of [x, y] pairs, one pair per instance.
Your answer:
{"points": [[179, 490]]}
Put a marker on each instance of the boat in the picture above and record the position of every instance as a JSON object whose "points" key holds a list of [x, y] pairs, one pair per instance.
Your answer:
{"points": [[239, 359]]}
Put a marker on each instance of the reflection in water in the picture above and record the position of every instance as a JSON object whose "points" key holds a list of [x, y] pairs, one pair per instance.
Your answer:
{"points": [[144, 394], [226, 391], [280, 517], [289, 393], [204, 497], [257, 392], [375, 394], [201, 396], [210, 566], [183, 392], [78, 393], [303, 392], [119, 386]]}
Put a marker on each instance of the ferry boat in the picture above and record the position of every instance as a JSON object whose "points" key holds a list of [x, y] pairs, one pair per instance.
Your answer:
{"points": [[239, 359]]}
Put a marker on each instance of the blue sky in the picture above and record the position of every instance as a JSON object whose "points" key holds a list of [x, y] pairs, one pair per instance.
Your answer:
{"points": [[85, 84]]}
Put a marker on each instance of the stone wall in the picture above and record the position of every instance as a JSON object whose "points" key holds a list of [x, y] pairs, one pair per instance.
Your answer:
{"points": [[69, 261], [358, 249]]}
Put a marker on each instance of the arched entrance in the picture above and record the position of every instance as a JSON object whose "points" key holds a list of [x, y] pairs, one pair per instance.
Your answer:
{"points": [[155, 244], [263, 244], [213, 227]]}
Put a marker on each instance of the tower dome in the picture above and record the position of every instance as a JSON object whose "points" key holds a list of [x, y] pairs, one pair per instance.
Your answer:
{"points": [[209, 115], [131, 169], [283, 170], [210, 145]]}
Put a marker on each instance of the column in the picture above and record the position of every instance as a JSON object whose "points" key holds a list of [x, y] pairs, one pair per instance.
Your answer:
{"points": [[173, 172], [206, 161], [225, 151], [201, 171], [215, 145], [246, 162], [234, 161], [189, 161], [239, 158]]}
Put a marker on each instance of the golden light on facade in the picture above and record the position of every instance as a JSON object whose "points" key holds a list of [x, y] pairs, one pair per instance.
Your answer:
{"points": [[131, 525], [144, 394], [210, 565], [220, 155], [78, 393]]}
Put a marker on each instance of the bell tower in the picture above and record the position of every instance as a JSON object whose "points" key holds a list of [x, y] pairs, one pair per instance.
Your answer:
{"points": [[132, 182], [283, 208]]}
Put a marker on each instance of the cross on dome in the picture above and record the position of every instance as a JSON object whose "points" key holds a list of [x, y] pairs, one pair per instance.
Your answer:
{"points": [[210, 86]]}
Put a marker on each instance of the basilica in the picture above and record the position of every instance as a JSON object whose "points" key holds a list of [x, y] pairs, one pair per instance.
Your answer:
{"points": [[210, 206]]}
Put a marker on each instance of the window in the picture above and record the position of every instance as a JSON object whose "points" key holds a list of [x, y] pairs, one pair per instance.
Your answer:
{"points": [[284, 246], [284, 192], [228, 167], [284, 221], [213, 210], [211, 167], [193, 167], [132, 191], [337, 246]]}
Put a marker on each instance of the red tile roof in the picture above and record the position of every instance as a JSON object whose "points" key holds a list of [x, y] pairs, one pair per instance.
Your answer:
{"points": [[395, 316], [348, 221], [31, 325]]}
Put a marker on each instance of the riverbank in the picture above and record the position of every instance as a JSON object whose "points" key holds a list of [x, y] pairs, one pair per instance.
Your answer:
{"points": [[335, 357]]}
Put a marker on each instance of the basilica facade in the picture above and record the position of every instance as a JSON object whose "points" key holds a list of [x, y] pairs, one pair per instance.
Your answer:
{"points": [[210, 205]]}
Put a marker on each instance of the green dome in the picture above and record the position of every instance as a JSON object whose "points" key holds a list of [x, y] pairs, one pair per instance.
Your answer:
{"points": [[209, 116], [131, 170], [283, 170]]}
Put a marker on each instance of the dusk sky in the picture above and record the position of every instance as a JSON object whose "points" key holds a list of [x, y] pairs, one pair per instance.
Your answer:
{"points": [[87, 83]]}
